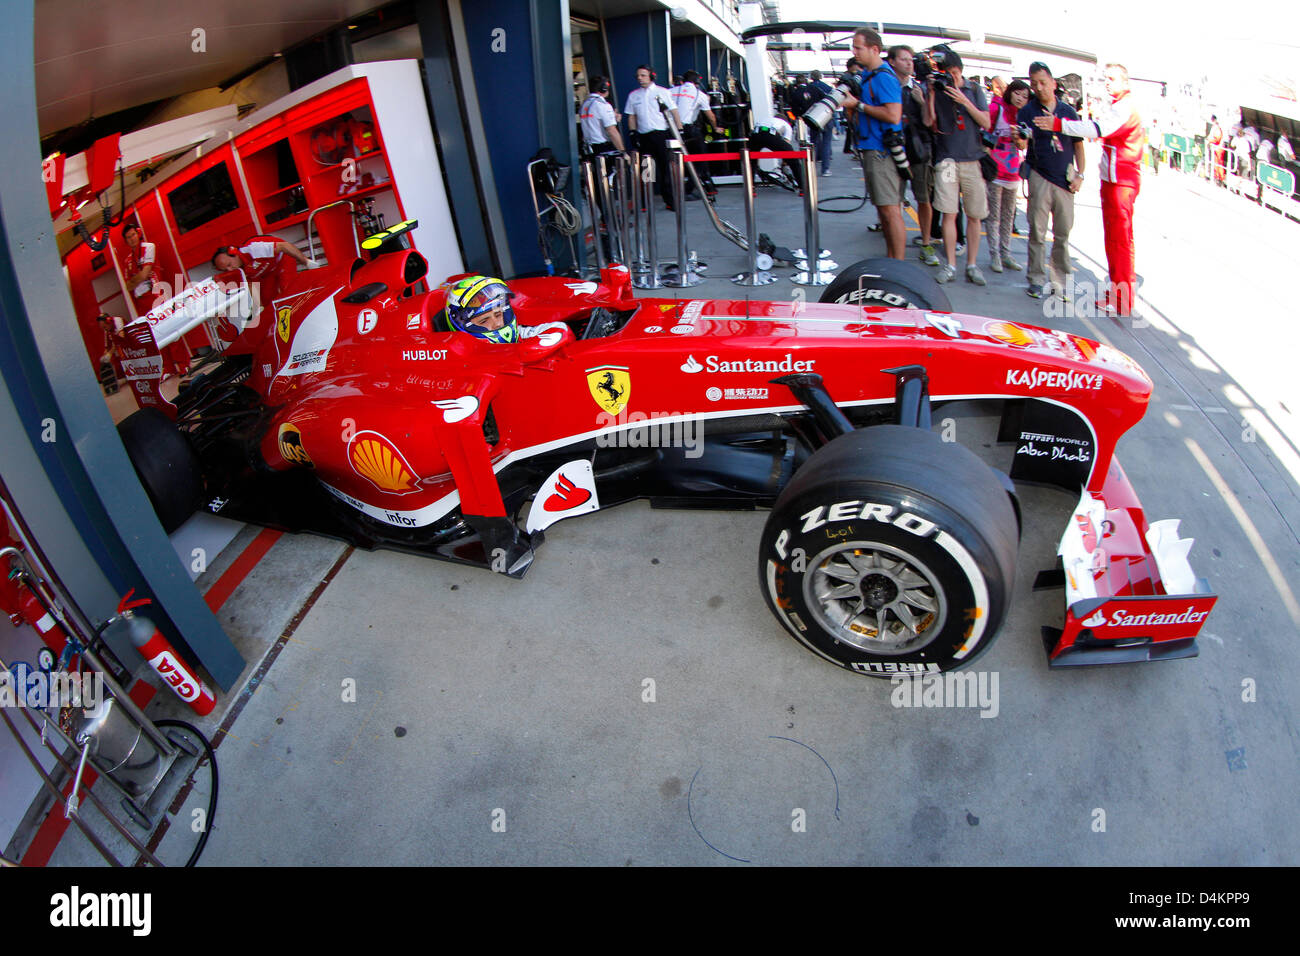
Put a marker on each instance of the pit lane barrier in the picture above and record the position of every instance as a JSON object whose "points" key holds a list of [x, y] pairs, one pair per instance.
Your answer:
{"points": [[640, 250], [1277, 189]]}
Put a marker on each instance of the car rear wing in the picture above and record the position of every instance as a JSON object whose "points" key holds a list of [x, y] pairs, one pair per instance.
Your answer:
{"points": [[1131, 593], [207, 301], [225, 307]]}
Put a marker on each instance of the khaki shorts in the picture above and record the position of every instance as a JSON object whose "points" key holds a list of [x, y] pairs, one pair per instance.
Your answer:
{"points": [[883, 180], [951, 177], [922, 182]]}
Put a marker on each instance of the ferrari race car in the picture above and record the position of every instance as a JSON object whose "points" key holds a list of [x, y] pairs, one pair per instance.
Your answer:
{"points": [[343, 404]]}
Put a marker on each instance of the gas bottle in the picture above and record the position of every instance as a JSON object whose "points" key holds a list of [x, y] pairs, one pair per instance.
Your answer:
{"points": [[162, 657]]}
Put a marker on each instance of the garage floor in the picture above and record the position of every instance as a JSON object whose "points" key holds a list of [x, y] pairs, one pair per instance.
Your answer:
{"points": [[633, 701]]}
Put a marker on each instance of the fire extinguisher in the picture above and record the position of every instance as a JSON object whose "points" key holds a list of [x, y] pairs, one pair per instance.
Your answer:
{"points": [[162, 657]]}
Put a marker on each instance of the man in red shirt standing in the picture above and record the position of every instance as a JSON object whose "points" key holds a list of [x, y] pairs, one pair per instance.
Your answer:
{"points": [[1120, 130]]}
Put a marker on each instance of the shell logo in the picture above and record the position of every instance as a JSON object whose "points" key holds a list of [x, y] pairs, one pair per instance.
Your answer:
{"points": [[1010, 333], [377, 460]]}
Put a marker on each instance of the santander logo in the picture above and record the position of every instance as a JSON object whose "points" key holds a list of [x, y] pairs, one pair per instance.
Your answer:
{"points": [[565, 496], [690, 365]]}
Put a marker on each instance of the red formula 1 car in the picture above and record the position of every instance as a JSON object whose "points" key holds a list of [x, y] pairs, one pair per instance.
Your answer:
{"points": [[345, 407]]}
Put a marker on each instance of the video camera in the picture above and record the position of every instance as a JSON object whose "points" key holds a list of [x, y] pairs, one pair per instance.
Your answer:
{"points": [[930, 65], [821, 114]]}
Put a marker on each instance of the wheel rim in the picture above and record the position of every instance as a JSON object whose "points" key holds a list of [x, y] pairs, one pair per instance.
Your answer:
{"points": [[875, 597]]}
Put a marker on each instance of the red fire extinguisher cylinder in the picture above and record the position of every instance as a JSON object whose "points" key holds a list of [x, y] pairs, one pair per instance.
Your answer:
{"points": [[165, 661]]}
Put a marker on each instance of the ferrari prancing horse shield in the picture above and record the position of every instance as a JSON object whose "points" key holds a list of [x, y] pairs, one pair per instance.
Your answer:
{"points": [[610, 386]]}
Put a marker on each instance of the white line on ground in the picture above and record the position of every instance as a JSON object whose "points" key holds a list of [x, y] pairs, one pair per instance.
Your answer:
{"points": [[1248, 527]]}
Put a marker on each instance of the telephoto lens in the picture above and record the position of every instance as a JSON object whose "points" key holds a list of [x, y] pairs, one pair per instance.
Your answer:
{"points": [[892, 140], [822, 113]]}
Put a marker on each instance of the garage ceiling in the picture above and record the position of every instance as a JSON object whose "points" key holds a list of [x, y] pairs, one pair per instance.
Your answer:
{"points": [[93, 59]]}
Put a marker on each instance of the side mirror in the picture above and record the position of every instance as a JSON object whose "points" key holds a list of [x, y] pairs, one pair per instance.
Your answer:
{"points": [[546, 340]]}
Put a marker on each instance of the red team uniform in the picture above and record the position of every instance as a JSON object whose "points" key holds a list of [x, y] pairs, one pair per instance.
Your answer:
{"points": [[1122, 140]]}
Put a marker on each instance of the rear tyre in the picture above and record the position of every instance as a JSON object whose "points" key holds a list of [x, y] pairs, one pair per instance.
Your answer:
{"points": [[167, 466], [889, 282], [891, 552]]}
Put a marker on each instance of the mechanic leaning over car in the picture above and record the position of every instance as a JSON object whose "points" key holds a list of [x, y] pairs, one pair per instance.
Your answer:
{"points": [[258, 256]]}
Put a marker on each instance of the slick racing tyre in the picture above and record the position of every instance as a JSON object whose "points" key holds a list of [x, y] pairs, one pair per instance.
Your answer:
{"points": [[888, 282], [890, 552], [167, 466]]}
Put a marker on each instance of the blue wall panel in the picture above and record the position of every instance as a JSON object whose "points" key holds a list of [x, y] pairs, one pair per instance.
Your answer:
{"points": [[507, 91], [635, 39]]}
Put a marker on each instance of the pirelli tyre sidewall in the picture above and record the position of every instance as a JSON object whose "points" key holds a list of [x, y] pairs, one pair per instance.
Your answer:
{"points": [[924, 524], [892, 283]]}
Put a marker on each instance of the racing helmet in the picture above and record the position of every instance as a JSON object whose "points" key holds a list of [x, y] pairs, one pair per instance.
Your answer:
{"points": [[475, 296]]}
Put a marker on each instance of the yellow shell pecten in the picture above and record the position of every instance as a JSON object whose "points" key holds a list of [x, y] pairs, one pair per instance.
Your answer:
{"points": [[375, 460]]}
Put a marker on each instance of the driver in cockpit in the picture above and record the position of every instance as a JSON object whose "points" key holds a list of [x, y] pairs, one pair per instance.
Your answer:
{"points": [[480, 305]]}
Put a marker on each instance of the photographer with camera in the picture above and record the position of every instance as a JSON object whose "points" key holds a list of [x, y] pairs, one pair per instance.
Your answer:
{"points": [[919, 141], [852, 78], [960, 112], [822, 136], [879, 114], [1055, 164]]}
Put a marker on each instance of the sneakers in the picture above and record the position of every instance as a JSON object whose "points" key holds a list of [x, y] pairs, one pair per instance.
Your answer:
{"points": [[1034, 291], [974, 275], [995, 264], [826, 173], [875, 227], [919, 241], [945, 273], [961, 248], [929, 256], [1011, 264]]}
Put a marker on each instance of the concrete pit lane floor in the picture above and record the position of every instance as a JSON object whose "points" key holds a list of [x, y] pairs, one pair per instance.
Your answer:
{"points": [[633, 701]]}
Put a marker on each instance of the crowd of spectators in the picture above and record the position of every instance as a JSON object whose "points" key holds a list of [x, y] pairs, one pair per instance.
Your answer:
{"points": [[969, 150]]}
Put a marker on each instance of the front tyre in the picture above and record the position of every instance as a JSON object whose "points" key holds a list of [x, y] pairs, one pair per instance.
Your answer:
{"points": [[891, 551]]}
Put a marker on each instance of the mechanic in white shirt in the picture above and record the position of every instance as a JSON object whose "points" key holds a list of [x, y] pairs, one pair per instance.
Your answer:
{"points": [[692, 103], [599, 120], [648, 128], [138, 268], [258, 257]]}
